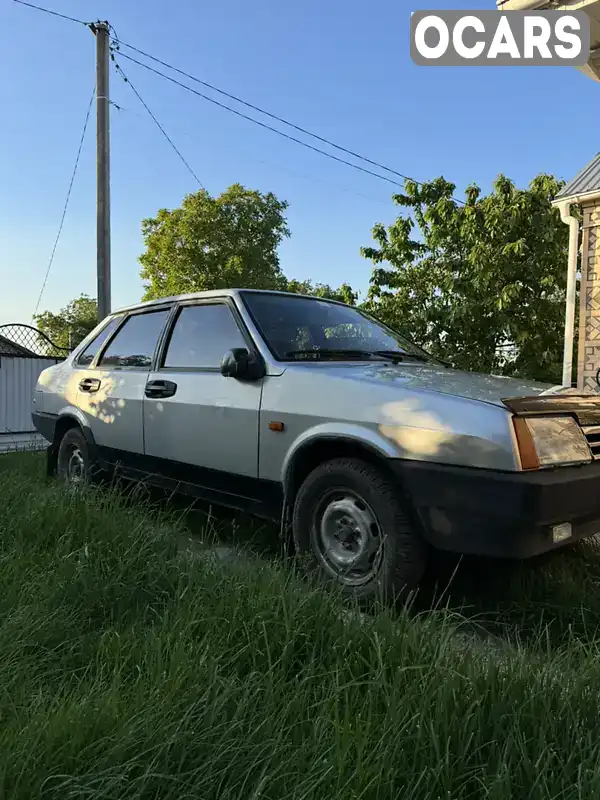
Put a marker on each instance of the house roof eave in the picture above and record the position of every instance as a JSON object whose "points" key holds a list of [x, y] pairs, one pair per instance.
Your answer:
{"points": [[591, 8]]}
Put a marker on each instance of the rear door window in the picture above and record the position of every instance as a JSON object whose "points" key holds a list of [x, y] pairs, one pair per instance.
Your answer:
{"points": [[135, 343], [93, 348]]}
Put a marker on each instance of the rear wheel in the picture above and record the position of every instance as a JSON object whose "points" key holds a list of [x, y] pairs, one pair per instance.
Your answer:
{"points": [[350, 523], [74, 465]]}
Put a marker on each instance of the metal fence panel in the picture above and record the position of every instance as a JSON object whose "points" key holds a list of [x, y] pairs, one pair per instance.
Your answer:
{"points": [[18, 378], [18, 339], [24, 353]]}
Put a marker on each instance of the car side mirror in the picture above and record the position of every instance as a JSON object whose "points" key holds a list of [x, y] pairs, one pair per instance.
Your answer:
{"points": [[239, 363]]}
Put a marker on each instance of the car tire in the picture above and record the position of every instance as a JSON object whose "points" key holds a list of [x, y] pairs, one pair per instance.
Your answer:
{"points": [[74, 465], [351, 526]]}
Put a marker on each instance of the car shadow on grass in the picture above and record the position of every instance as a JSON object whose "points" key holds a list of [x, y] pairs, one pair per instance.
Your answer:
{"points": [[543, 602], [546, 601]]}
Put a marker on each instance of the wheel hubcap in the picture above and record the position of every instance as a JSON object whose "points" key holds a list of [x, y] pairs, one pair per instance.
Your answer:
{"points": [[76, 471], [348, 538]]}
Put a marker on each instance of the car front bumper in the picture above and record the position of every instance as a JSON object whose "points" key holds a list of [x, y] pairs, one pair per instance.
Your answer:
{"points": [[501, 514]]}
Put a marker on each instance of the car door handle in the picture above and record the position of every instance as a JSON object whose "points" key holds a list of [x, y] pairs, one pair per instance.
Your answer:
{"points": [[160, 388], [89, 385]]}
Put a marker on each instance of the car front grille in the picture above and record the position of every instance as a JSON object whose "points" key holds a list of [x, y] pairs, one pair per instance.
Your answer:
{"points": [[592, 434]]}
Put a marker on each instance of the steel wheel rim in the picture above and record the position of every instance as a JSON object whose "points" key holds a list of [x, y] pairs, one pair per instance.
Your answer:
{"points": [[347, 537], [76, 471]]}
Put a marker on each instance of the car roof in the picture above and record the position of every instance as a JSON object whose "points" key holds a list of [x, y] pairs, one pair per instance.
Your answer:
{"points": [[214, 293]]}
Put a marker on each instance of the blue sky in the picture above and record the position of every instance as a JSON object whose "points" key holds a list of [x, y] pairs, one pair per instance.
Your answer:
{"points": [[342, 70]]}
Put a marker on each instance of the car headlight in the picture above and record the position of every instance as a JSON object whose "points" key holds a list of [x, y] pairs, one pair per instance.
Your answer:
{"points": [[550, 442]]}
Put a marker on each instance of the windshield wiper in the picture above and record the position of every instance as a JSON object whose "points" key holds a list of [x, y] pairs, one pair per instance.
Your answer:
{"points": [[399, 355], [395, 356], [390, 355], [330, 353]]}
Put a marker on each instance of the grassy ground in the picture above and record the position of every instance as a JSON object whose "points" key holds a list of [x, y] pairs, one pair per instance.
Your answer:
{"points": [[131, 670]]}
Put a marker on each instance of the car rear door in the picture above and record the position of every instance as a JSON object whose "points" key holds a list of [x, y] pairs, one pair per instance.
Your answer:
{"points": [[200, 426], [111, 389]]}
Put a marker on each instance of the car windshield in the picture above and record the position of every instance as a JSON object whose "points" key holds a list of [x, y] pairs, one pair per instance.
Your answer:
{"points": [[307, 328]]}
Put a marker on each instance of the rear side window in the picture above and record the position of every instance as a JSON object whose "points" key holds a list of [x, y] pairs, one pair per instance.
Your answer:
{"points": [[90, 352], [201, 337], [134, 344]]}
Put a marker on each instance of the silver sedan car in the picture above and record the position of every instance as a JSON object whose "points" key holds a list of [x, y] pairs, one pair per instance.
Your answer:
{"points": [[309, 410]]}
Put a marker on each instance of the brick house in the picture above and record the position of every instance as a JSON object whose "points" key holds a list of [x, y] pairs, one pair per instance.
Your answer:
{"points": [[579, 204]]}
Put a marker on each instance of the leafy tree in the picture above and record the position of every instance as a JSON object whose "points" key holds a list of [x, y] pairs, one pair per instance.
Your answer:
{"points": [[71, 324], [344, 294], [481, 284], [214, 242]]}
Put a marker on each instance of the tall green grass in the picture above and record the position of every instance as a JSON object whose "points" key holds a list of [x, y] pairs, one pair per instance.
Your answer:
{"points": [[130, 671]]}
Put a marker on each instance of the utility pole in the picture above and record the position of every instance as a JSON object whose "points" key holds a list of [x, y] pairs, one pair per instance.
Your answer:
{"points": [[101, 29]]}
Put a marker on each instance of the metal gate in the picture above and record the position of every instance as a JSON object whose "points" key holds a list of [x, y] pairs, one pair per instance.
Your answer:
{"points": [[24, 353]]}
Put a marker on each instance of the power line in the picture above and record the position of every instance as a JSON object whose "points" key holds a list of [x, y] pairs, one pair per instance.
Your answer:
{"points": [[262, 124], [267, 113], [320, 181], [159, 126], [53, 13], [118, 43], [64, 212], [129, 111], [260, 110]]}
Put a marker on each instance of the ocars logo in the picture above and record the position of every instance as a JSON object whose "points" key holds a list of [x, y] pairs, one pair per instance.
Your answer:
{"points": [[490, 38]]}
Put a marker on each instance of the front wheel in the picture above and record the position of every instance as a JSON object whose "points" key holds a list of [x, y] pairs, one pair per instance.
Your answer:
{"points": [[350, 523]]}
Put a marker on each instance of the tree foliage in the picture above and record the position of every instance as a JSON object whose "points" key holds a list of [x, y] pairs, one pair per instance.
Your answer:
{"points": [[71, 324], [481, 284], [344, 294], [214, 243]]}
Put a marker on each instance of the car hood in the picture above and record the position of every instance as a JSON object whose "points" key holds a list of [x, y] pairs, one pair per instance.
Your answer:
{"points": [[431, 378]]}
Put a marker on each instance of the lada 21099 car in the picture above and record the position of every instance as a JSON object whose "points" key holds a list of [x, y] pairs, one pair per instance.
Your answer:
{"points": [[268, 401]]}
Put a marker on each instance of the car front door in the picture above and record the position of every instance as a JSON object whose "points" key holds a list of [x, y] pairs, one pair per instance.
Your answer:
{"points": [[111, 389], [199, 426]]}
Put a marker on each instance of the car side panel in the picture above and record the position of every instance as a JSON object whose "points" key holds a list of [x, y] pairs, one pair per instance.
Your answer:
{"points": [[56, 389], [401, 424], [56, 399], [114, 412], [210, 422]]}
